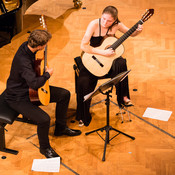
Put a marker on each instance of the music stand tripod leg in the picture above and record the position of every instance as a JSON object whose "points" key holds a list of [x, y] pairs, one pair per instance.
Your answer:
{"points": [[120, 132], [96, 130]]}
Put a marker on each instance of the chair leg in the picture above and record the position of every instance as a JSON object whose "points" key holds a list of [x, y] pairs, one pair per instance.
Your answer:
{"points": [[121, 114], [2, 142], [128, 114]]}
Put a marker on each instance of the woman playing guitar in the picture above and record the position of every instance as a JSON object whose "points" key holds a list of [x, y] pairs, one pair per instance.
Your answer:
{"points": [[97, 30]]}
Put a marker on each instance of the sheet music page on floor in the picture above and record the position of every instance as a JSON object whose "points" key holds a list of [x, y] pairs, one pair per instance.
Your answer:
{"points": [[46, 165], [158, 114]]}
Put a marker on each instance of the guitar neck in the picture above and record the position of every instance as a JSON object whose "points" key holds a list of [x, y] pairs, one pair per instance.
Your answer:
{"points": [[125, 36], [45, 58]]}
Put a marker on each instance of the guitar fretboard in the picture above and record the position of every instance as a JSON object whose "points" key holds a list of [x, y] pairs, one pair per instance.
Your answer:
{"points": [[45, 59], [126, 35]]}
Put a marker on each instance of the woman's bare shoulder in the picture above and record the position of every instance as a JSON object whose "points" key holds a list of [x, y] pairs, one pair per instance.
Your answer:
{"points": [[94, 22]]}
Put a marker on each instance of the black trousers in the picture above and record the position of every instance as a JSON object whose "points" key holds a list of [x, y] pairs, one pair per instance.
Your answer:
{"points": [[86, 83], [35, 113]]}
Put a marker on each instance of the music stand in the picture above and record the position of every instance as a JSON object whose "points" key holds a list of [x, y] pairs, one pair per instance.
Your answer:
{"points": [[100, 89]]}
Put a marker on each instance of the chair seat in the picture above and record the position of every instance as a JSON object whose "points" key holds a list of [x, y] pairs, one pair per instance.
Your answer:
{"points": [[7, 114]]}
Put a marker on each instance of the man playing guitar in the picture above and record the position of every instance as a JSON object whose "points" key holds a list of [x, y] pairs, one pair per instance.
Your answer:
{"points": [[22, 77]]}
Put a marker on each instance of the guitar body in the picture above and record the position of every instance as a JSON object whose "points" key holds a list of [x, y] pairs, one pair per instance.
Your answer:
{"points": [[102, 66], [44, 91]]}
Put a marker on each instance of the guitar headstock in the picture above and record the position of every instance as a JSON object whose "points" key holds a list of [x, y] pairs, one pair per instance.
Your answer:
{"points": [[43, 23], [147, 15]]}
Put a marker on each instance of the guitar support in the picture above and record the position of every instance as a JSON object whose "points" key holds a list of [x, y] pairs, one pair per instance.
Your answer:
{"points": [[107, 128]]}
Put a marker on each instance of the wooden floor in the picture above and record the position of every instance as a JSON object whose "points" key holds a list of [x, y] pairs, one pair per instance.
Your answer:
{"points": [[150, 56]]}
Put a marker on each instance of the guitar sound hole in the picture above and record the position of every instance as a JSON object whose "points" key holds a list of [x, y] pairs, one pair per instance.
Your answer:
{"points": [[44, 90], [107, 47]]}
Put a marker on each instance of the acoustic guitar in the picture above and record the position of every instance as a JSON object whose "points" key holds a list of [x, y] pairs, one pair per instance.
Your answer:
{"points": [[44, 91], [100, 65], [43, 94]]}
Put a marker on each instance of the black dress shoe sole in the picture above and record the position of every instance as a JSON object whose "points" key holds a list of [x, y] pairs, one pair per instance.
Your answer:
{"points": [[68, 133], [71, 135]]}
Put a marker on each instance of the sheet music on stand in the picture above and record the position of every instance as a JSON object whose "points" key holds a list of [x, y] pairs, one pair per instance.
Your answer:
{"points": [[120, 77]]}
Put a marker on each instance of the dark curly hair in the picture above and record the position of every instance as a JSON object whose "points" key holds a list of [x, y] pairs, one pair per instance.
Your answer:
{"points": [[38, 38]]}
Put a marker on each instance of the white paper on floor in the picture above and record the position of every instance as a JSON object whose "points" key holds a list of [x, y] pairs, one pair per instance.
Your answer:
{"points": [[46, 165], [157, 114]]}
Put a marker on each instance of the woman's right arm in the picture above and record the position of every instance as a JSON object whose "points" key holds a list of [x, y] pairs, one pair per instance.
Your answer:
{"points": [[85, 43]]}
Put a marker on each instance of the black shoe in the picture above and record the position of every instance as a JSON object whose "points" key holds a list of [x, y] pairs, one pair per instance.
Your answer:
{"points": [[49, 153], [67, 131]]}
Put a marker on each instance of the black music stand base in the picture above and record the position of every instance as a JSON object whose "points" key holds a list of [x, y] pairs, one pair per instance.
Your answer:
{"points": [[107, 128]]}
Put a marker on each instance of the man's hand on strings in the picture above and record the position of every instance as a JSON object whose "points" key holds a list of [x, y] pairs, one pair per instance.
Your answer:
{"points": [[49, 70]]}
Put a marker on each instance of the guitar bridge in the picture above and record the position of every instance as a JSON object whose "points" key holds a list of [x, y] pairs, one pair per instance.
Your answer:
{"points": [[97, 61]]}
